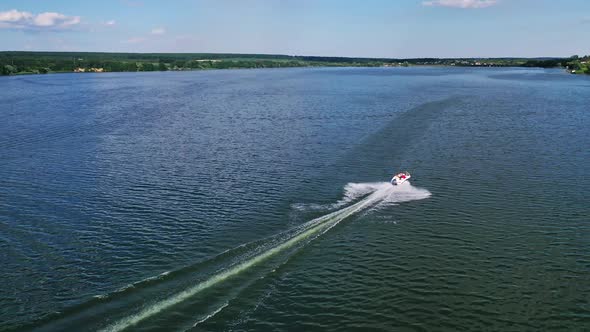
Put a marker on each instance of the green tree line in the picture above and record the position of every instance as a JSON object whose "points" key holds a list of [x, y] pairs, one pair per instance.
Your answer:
{"points": [[45, 62]]}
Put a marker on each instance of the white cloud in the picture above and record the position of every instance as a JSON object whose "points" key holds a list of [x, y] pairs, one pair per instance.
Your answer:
{"points": [[135, 40], [15, 19], [55, 19], [158, 31], [109, 23], [13, 16], [461, 3]]}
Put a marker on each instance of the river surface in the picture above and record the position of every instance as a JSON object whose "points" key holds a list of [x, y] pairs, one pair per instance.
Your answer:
{"points": [[257, 200]]}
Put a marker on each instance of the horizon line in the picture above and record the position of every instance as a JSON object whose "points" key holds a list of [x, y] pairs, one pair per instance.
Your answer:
{"points": [[300, 55]]}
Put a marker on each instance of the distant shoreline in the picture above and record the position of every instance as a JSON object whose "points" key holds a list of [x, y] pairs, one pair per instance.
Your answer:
{"points": [[30, 63], [249, 68]]}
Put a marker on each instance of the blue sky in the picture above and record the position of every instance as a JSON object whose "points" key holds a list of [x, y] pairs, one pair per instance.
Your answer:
{"points": [[368, 28]]}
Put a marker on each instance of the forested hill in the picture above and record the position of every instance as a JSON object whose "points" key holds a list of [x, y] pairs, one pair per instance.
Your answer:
{"points": [[48, 62]]}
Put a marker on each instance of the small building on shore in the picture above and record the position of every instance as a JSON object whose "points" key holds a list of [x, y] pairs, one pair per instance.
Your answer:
{"points": [[89, 70]]}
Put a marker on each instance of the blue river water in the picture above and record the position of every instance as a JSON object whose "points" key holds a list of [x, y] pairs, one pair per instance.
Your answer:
{"points": [[257, 200]]}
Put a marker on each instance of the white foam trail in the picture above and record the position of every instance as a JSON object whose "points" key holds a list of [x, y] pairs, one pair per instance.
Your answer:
{"points": [[211, 314], [404, 192], [353, 191], [382, 192]]}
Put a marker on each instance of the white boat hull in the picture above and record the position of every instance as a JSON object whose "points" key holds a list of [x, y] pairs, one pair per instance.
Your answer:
{"points": [[400, 178]]}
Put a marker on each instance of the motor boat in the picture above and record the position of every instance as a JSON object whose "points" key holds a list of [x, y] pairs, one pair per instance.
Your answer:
{"points": [[400, 178]]}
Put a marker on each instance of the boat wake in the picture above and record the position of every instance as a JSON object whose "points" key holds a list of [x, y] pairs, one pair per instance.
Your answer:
{"points": [[198, 286], [387, 195]]}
